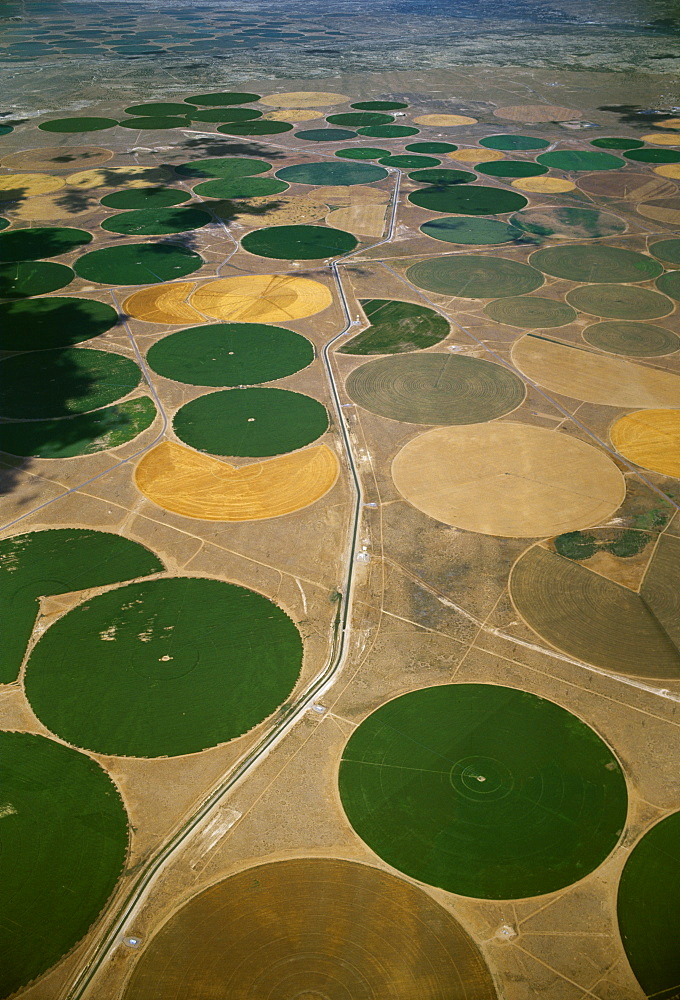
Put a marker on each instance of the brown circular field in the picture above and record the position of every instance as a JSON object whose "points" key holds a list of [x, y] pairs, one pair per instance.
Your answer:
{"points": [[58, 157], [630, 187], [538, 113], [311, 929], [510, 479]]}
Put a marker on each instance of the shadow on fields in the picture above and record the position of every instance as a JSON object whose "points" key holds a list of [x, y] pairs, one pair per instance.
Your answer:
{"points": [[636, 116]]}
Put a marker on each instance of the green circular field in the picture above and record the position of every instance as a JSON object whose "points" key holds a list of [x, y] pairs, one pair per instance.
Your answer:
{"points": [[431, 147], [26, 278], [615, 142], [325, 134], [158, 108], [378, 105], [137, 264], [653, 156], [648, 908], [240, 187], [84, 434], [584, 262], [511, 168], [637, 340], [356, 119], [475, 276], [396, 327], [226, 167], [388, 131], [156, 197], [569, 221], [78, 124], [147, 123], [666, 250], [481, 232], [39, 324], [482, 790], [64, 844], [230, 354], [172, 665], [578, 159], [251, 423], [361, 153], [406, 162], [223, 97], [255, 128], [669, 284], [298, 242], [619, 301], [530, 312], [225, 115], [156, 221], [330, 173], [441, 176], [39, 242], [4, 223], [513, 142], [468, 200], [435, 389]]}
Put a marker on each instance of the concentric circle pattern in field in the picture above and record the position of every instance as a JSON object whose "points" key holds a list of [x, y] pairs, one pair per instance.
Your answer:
{"points": [[483, 790], [648, 908], [475, 276], [619, 301], [530, 312], [137, 263], [164, 667], [666, 250], [569, 221], [230, 354], [595, 262], [670, 284], [57, 321], [435, 389], [638, 340], [39, 242], [651, 439], [331, 173], [468, 200], [507, 478], [251, 423], [64, 843], [311, 929], [298, 242], [470, 231], [156, 221]]}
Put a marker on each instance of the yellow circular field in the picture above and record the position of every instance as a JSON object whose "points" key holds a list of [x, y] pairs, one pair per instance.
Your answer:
{"points": [[131, 177], [49, 207], [16, 186], [660, 139], [57, 157], [303, 99], [510, 479], [650, 438], [538, 113], [546, 185], [669, 170], [164, 304], [292, 115], [261, 298], [474, 155], [444, 120], [186, 482]]}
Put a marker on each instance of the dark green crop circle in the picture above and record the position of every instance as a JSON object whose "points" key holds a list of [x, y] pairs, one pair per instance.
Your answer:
{"points": [[331, 173], [473, 276], [666, 250], [441, 176], [356, 119], [26, 278], [616, 142], [57, 321], [77, 124], [156, 197], [511, 168], [378, 105], [255, 128], [636, 340], [468, 200], [471, 230], [225, 167], [513, 142], [595, 263], [388, 131], [653, 155], [669, 283], [172, 665], [298, 242], [39, 242], [137, 264], [325, 134], [157, 221], [251, 423], [578, 159], [240, 187], [64, 844], [221, 98], [361, 153], [230, 354], [484, 791]]}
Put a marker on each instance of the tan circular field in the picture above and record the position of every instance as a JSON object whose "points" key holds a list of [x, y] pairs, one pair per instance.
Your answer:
{"points": [[650, 438], [594, 378], [538, 113], [444, 120], [261, 298], [546, 185], [671, 170], [57, 157], [303, 99], [187, 482], [661, 139], [665, 210], [164, 304], [276, 210], [48, 207], [475, 155], [631, 187], [311, 929], [106, 177], [510, 479], [15, 186], [293, 115]]}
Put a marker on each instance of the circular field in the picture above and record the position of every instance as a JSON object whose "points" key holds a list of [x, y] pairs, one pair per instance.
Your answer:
{"points": [[223, 97], [511, 168], [39, 242], [431, 147], [311, 929], [158, 108], [596, 262], [388, 131], [578, 159], [513, 142], [40, 324], [251, 423], [482, 232], [475, 276], [154, 197], [573, 223], [408, 161], [225, 115], [543, 185], [615, 142], [666, 250], [473, 154], [508, 479], [240, 187], [78, 124], [468, 200], [666, 210], [356, 118], [230, 354], [137, 264], [637, 340], [670, 284], [441, 176], [662, 138], [532, 113], [444, 121], [26, 278], [653, 156], [328, 172], [255, 128], [57, 157], [648, 908], [172, 665], [630, 187], [156, 221], [298, 242], [303, 99], [396, 327], [514, 796], [325, 135], [226, 167], [530, 312], [378, 105], [16, 187], [619, 301], [59, 383], [435, 389], [651, 439], [362, 153], [108, 177], [262, 298], [64, 844]]}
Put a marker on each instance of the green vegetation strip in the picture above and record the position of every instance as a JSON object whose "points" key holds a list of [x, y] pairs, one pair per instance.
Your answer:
{"points": [[530, 312], [223, 97], [471, 231], [513, 142], [595, 263], [37, 324], [78, 124], [157, 197], [157, 221], [407, 162], [330, 173], [475, 276], [251, 423], [576, 159], [164, 667], [619, 301], [648, 909], [39, 242], [669, 283], [230, 354], [637, 340], [397, 327], [468, 200], [431, 147], [226, 167], [62, 382], [26, 278], [45, 563], [64, 844], [435, 389], [137, 264], [298, 242], [666, 250], [566, 220], [484, 791]]}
